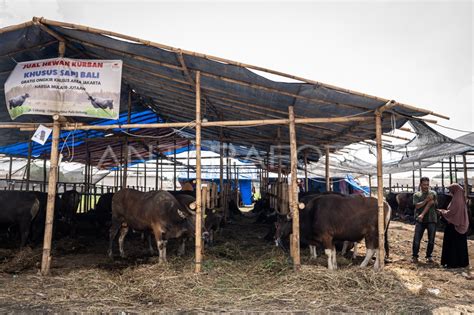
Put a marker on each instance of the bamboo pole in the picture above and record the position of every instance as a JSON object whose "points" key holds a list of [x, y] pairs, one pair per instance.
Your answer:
{"points": [[28, 170], [222, 60], [16, 27], [199, 215], [380, 201], [390, 182], [466, 184], [450, 171], [221, 166], [228, 123], [144, 175], [10, 169], [455, 170], [306, 183], [294, 191], [370, 185], [174, 166], [187, 169], [442, 175], [413, 180], [328, 176], [161, 173], [48, 229]]}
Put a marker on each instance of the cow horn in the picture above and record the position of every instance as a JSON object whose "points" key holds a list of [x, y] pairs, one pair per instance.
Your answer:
{"points": [[301, 205], [288, 216], [192, 205]]}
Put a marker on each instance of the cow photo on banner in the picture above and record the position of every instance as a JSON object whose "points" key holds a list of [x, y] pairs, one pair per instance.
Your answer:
{"points": [[69, 87]]}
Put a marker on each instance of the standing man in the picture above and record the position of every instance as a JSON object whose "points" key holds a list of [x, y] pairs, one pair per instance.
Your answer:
{"points": [[426, 218]]}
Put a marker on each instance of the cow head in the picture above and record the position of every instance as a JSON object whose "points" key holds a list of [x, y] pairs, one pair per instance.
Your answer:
{"points": [[283, 228]]}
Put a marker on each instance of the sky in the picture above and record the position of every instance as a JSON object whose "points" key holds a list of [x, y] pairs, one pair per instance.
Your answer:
{"points": [[419, 53], [415, 52]]}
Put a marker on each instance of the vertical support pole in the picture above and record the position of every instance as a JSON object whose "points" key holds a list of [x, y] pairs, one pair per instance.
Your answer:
{"points": [[381, 214], [198, 238], [442, 175], [413, 181], [48, 229], [294, 192], [28, 170], [221, 166], [174, 165], [188, 161], [390, 182], [127, 151], [145, 174], [450, 171], [10, 169], [161, 173], [370, 185], [138, 183], [44, 173], [328, 177], [156, 173], [420, 172], [455, 170], [466, 184], [306, 186]]}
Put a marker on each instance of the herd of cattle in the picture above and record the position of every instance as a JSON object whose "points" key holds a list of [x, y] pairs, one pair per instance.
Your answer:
{"points": [[328, 221]]}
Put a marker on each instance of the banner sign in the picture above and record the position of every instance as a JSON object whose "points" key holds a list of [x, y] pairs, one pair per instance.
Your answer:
{"points": [[68, 87]]}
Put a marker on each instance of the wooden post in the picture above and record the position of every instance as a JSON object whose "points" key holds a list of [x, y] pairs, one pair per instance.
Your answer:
{"points": [[48, 229], [221, 166], [188, 161], [306, 186], [137, 177], [420, 172], [413, 181], [390, 182], [455, 170], [44, 173], [294, 191], [466, 184], [161, 173], [442, 175], [198, 237], [328, 177], [450, 171], [370, 185], [174, 165], [156, 173], [145, 174], [28, 170], [127, 151], [10, 169], [380, 201]]}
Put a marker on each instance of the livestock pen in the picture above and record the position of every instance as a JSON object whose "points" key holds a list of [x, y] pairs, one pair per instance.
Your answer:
{"points": [[172, 99]]}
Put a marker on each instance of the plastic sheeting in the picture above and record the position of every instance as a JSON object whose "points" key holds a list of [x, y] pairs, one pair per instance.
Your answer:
{"points": [[157, 77]]}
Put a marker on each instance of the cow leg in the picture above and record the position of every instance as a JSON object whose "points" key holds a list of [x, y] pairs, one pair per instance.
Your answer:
{"points": [[161, 244], [368, 256], [313, 252], [354, 252], [150, 245], [182, 247], [114, 228], [328, 253], [345, 246], [333, 256], [123, 233], [24, 231], [377, 261]]}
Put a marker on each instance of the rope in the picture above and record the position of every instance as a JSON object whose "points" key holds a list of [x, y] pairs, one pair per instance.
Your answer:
{"points": [[157, 137], [451, 128]]}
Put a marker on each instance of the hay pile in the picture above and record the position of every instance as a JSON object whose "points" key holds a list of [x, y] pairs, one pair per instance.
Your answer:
{"points": [[242, 272]]}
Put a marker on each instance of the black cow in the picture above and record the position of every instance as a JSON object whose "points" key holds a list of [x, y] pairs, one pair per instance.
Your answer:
{"points": [[330, 218], [155, 211], [18, 208], [99, 102], [70, 201], [212, 225], [17, 100]]}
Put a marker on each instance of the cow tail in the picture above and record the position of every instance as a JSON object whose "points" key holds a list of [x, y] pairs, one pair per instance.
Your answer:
{"points": [[35, 208]]}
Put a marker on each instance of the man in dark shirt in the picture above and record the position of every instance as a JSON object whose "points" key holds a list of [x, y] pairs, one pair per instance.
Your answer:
{"points": [[426, 218]]}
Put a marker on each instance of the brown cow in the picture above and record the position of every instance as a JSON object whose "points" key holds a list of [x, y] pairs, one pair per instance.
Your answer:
{"points": [[330, 218], [155, 211]]}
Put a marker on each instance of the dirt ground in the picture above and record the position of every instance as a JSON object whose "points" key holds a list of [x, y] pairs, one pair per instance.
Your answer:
{"points": [[242, 272]]}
